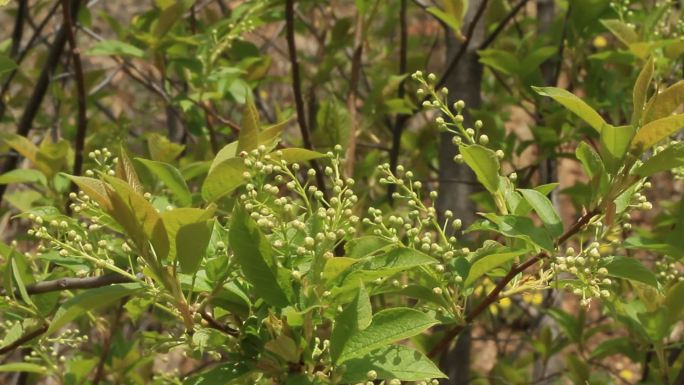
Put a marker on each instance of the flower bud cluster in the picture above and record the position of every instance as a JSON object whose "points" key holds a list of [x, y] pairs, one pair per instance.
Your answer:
{"points": [[70, 238], [420, 227], [587, 266], [104, 162], [282, 196], [669, 271]]}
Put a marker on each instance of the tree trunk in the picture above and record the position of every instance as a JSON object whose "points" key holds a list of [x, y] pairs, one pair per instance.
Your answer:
{"points": [[457, 181]]}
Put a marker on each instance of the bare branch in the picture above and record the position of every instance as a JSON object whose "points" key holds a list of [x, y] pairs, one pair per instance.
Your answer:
{"points": [[297, 88], [82, 123]]}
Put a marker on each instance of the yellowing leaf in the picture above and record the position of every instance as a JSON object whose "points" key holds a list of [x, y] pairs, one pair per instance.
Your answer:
{"points": [[21, 145], [640, 91], [249, 127], [138, 217], [95, 189], [625, 33], [664, 103], [223, 179], [655, 131]]}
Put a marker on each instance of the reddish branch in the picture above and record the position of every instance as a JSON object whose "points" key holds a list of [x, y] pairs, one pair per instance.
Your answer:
{"points": [[493, 295]]}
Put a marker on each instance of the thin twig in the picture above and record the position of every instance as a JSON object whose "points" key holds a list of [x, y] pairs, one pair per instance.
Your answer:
{"points": [[39, 90], [502, 24], [24, 339], [351, 94], [107, 344], [561, 44], [214, 324], [400, 121], [82, 119], [297, 88], [464, 45]]}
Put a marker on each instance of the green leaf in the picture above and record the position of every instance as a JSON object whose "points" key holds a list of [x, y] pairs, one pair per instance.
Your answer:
{"points": [[6, 64], [90, 300], [228, 151], [664, 103], [653, 132], [356, 316], [16, 273], [545, 210], [365, 246], [24, 175], [21, 145], [453, 21], [614, 346], [522, 228], [25, 367], [614, 145], [500, 60], [334, 267], [593, 166], [175, 219], [171, 177], [191, 245], [590, 159], [626, 34], [293, 155], [533, 61], [162, 149], [631, 269], [51, 157], [671, 157], [569, 324], [391, 362], [224, 374], [488, 263], [388, 326], [575, 105], [393, 261], [115, 48], [254, 255], [640, 91], [170, 16], [484, 163], [223, 179], [673, 302], [248, 139]]}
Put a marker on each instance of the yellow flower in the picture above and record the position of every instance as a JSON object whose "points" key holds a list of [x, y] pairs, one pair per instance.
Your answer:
{"points": [[533, 298], [600, 42], [626, 374]]}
